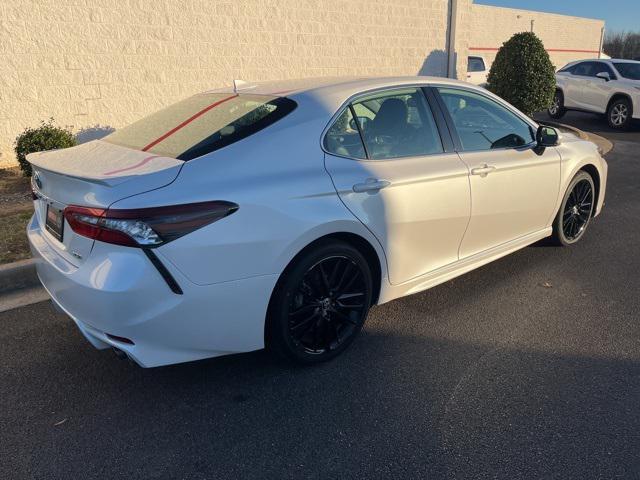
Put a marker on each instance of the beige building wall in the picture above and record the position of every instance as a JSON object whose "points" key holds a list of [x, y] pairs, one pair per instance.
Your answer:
{"points": [[565, 38], [99, 64]]}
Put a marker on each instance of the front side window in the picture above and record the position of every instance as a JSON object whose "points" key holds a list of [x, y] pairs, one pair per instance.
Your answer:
{"points": [[603, 67], [475, 64], [202, 123], [483, 124], [628, 70], [396, 124], [585, 69]]}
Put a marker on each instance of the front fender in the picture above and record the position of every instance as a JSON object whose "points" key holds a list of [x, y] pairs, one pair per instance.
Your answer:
{"points": [[579, 155]]}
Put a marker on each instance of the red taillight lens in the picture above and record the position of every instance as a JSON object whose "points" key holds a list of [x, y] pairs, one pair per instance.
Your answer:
{"points": [[145, 227]]}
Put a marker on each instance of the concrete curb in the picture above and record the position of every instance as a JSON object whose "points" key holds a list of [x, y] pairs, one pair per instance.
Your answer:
{"points": [[604, 145], [18, 275]]}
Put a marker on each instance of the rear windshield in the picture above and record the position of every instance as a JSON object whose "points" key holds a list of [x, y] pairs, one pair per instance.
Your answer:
{"points": [[202, 123], [628, 70]]}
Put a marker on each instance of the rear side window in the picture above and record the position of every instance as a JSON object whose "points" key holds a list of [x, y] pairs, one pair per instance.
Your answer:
{"points": [[402, 126], [475, 64], [392, 124], [202, 124], [628, 70]]}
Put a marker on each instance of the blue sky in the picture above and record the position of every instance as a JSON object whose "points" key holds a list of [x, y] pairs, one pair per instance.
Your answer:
{"points": [[619, 14]]}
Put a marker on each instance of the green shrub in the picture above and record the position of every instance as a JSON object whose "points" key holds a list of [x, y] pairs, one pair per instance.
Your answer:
{"points": [[45, 137], [523, 74]]}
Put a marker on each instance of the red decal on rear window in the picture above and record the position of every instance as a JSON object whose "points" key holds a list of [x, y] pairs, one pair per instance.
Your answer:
{"points": [[187, 122]]}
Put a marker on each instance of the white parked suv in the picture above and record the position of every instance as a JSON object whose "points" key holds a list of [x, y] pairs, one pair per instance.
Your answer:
{"points": [[610, 87]]}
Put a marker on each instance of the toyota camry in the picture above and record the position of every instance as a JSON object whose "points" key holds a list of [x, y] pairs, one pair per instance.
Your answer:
{"points": [[276, 214]]}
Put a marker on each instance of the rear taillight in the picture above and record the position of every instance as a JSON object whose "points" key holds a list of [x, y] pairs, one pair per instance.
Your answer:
{"points": [[145, 227]]}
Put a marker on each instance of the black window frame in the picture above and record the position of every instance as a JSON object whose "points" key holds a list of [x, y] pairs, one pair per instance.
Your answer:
{"points": [[448, 145], [453, 130]]}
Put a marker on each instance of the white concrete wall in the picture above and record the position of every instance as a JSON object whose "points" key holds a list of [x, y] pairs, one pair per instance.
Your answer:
{"points": [[104, 63], [97, 65], [565, 38]]}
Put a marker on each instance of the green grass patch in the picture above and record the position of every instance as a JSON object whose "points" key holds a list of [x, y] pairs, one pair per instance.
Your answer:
{"points": [[13, 237]]}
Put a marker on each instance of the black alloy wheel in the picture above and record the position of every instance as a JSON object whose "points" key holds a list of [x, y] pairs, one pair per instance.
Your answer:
{"points": [[576, 210], [320, 305]]}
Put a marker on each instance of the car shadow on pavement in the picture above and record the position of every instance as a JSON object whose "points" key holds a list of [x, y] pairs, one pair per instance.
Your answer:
{"points": [[411, 403]]}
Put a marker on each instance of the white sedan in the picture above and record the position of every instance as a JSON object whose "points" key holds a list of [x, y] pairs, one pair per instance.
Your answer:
{"points": [[277, 214]]}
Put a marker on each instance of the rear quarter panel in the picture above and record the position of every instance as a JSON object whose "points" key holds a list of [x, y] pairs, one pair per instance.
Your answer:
{"points": [[286, 201]]}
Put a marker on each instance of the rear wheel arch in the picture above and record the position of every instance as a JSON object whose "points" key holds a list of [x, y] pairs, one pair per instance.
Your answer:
{"points": [[359, 243]]}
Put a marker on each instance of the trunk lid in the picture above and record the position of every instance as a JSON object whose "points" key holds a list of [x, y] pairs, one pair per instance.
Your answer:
{"points": [[93, 174]]}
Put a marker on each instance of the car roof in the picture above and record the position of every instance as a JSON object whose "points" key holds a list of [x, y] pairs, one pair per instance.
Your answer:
{"points": [[334, 91]]}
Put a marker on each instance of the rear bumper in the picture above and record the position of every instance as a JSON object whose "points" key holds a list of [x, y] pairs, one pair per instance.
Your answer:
{"points": [[118, 292]]}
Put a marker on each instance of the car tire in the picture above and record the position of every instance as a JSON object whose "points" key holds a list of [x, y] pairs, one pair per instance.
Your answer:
{"points": [[576, 211], [557, 110], [620, 114], [319, 304]]}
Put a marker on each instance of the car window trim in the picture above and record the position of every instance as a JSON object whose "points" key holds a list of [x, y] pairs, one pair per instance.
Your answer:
{"points": [[446, 137], [354, 98], [359, 128], [454, 130]]}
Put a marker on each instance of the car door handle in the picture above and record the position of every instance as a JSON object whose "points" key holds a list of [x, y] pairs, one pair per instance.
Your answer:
{"points": [[371, 185], [483, 171]]}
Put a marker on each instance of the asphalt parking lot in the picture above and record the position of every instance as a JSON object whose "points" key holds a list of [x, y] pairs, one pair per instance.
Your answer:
{"points": [[526, 368]]}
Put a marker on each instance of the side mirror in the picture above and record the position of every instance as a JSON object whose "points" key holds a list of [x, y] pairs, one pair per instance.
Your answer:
{"points": [[604, 75], [547, 136]]}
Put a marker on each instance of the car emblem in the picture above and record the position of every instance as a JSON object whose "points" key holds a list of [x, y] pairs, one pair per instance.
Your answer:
{"points": [[37, 180]]}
